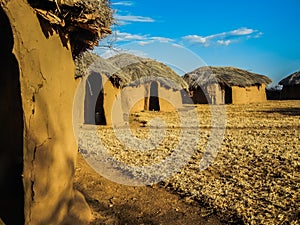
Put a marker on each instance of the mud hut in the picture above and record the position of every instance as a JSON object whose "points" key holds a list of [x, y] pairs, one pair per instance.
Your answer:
{"points": [[226, 85], [291, 86], [150, 85], [38, 42], [98, 92]]}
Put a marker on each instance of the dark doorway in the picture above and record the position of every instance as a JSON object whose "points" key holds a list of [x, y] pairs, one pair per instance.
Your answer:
{"points": [[154, 100], [99, 110], [228, 95], [93, 101], [11, 130], [200, 96]]}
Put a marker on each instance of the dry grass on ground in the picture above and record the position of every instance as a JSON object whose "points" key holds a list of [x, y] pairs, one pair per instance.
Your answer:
{"points": [[255, 178]]}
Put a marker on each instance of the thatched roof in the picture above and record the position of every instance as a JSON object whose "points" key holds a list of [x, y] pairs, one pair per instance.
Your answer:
{"points": [[83, 22], [88, 61], [291, 80], [229, 76], [124, 59], [150, 70], [133, 74]]}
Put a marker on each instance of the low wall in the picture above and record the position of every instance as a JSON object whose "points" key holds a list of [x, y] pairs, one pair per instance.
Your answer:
{"points": [[252, 94], [169, 100]]}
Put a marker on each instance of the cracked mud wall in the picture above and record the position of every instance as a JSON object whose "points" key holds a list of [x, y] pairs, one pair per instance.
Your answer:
{"points": [[46, 73]]}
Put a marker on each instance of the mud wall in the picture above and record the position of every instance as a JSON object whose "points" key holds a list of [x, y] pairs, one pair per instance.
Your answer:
{"points": [[133, 98], [88, 97], [169, 100], [292, 92], [238, 95], [252, 94], [216, 93], [46, 73], [212, 94], [112, 103], [139, 98]]}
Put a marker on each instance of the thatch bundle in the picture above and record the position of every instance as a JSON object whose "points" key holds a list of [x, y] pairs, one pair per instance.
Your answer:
{"points": [[124, 59], [229, 76], [150, 70], [83, 22], [89, 61], [291, 80], [134, 72]]}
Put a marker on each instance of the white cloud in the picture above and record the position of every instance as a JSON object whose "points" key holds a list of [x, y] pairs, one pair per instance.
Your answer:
{"points": [[162, 39], [130, 18], [222, 42], [123, 3], [142, 39], [196, 39], [258, 35], [242, 31], [123, 36], [224, 38]]}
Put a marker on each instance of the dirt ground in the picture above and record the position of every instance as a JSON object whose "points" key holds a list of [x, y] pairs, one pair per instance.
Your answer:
{"points": [[254, 179], [114, 204]]}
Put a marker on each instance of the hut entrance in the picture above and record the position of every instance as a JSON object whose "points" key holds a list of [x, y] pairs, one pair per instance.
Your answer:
{"points": [[11, 130], [93, 101], [154, 100], [99, 110], [199, 96], [228, 95]]}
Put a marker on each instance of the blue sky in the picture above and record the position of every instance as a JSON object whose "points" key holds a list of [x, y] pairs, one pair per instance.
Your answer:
{"points": [[259, 36]]}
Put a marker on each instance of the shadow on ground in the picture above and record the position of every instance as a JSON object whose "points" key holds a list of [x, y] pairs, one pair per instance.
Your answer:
{"points": [[114, 204], [285, 111]]}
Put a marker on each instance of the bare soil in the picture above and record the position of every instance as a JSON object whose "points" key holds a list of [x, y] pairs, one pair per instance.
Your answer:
{"points": [[254, 178], [114, 204]]}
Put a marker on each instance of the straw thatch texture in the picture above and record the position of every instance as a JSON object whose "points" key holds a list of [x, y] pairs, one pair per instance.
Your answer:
{"points": [[135, 71], [291, 80], [124, 59], [89, 60], [229, 76], [83, 22], [149, 70]]}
